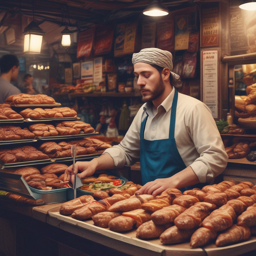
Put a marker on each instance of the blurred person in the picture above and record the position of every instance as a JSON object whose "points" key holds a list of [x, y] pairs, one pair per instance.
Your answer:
{"points": [[28, 82], [9, 65]]}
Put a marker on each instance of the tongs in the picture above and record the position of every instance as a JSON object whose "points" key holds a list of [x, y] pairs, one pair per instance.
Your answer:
{"points": [[77, 181]]}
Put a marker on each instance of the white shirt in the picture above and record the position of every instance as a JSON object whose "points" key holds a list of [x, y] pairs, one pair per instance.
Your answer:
{"points": [[197, 138]]}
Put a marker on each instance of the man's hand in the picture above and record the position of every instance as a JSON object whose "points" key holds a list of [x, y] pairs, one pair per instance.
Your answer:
{"points": [[85, 169], [156, 187]]}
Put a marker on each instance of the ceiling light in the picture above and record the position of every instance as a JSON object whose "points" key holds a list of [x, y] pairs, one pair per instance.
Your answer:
{"points": [[66, 39], [33, 38], [156, 9], [248, 6]]}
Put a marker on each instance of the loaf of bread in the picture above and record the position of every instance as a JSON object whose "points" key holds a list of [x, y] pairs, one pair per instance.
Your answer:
{"points": [[15, 133], [7, 113], [238, 150], [139, 215], [54, 168], [122, 224], [74, 127], [202, 237], [185, 200], [29, 99], [102, 219]]}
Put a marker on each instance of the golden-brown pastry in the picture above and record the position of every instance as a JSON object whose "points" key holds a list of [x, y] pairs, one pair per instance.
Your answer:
{"points": [[193, 216], [202, 237], [122, 224], [155, 204], [248, 218], [233, 235], [185, 200], [54, 168], [238, 150], [173, 235], [232, 194], [197, 193], [100, 195], [238, 206], [167, 214], [218, 199], [149, 230], [102, 219], [139, 215]]}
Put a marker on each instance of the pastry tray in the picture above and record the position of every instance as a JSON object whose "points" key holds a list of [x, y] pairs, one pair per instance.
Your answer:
{"points": [[78, 158], [35, 105], [74, 136], [11, 121], [25, 163], [12, 142], [73, 118]]}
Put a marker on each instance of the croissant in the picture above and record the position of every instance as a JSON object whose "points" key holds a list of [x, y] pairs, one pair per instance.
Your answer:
{"points": [[139, 215], [218, 199], [173, 235], [193, 216], [167, 214], [88, 210], [122, 224], [248, 218], [232, 194], [220, 219], [197, 193], [155, 204], [247, 192], [238, 206], [202, 237], [115, 198], [233, 235], [185, 200], [238, 150], [102, 219], [149, 230], [210, 189]]}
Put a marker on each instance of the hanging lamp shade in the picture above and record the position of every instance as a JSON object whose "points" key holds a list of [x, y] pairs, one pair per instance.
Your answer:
{"points": [[66, 38], [248, 5], [33, 37], [156, 9]]}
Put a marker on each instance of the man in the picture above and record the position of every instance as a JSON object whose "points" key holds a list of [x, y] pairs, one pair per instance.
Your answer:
{"points": [[174, 135], [28, 82], [9, 65]]}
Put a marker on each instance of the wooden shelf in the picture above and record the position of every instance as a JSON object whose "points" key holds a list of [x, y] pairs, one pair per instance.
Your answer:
{"points": [[106, 94], [239, 135], [241, 161]]}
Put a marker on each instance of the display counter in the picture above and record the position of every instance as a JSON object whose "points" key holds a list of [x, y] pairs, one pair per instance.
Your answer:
{"points": [[41, 230]]}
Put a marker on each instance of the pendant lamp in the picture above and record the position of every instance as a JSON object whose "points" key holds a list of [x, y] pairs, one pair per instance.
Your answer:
{"points": [[248, 6], [66, 38], [156, 9]]}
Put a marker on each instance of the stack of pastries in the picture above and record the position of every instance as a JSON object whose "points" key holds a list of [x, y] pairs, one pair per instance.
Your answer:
{"points": [[23, 98], [39, 113], [223, 213], [50, 177], [15, 133], [63, 149], [7, 113], [21, 154]]}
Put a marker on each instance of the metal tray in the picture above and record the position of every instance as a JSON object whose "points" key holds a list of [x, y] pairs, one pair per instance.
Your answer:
{"points": [[11, 121], [29, 120], [35, 105], [74, 136], [25, 163], [12, 142], [52, 196], [78, 158]]}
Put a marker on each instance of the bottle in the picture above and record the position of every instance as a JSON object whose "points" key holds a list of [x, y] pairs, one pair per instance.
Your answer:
{"points": [[229, 119]]}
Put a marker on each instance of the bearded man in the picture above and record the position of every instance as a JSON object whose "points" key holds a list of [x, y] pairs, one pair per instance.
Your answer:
{"points": [[174, 136]]}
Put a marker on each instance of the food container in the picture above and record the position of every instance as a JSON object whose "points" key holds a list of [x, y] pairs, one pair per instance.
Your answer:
{"points": [[53, 196]]}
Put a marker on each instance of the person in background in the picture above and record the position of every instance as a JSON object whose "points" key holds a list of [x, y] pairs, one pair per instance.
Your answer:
{"points": [[173, 135], [102, 126], [28, 82], [9, 65]]}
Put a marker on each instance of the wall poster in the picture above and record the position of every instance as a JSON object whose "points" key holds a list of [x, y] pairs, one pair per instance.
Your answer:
{"points": [[87, 72], [97, 70], [77, 70], [210, 26], [210, 80], [148, 35]]}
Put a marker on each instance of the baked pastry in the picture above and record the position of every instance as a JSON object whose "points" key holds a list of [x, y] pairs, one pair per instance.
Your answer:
{"points": [[238, 150], [102, 219], [7, 113], [122, 224], [43, 130], [202, 237], [15, 133]]}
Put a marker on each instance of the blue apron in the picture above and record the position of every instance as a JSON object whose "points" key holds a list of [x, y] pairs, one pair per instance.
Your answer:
{"points": [[160, 158]]}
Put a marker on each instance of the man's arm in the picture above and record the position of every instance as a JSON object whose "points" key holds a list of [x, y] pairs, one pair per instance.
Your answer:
{"points": [[182, 179]]}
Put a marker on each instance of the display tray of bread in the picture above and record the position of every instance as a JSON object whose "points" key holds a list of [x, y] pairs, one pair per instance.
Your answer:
{"points": [[8, 115], [63, 130], [218, 215], [26, 155], [27, 100], [84, 147], [53, 114], [15, 135], [102, 182]]}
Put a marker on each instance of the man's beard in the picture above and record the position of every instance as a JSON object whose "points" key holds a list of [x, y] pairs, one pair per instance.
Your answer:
{"points": [[159, 89]]}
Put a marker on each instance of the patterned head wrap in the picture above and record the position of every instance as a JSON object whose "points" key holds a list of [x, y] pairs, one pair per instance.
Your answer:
{"points": [[161, 58]]}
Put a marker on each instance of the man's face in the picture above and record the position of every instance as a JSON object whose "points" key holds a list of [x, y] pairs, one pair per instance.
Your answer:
{"points": [[149, 80], [15, 72], [28, 81]]}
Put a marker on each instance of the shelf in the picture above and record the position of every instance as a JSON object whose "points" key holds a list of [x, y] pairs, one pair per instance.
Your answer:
{"points": [[239, 135], [106, 94], [241, 161]]}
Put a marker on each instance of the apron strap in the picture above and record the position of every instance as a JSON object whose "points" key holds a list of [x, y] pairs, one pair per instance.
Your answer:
{"points": [[143, 126], [173, 114]]}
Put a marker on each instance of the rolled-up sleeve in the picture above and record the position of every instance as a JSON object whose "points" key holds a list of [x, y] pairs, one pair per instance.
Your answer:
{"points": [[206, 137], [128, 151]]}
